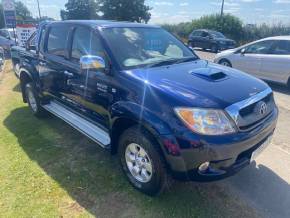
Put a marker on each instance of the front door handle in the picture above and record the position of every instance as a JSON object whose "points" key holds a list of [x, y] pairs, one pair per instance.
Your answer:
{"points": [[68, 74]]}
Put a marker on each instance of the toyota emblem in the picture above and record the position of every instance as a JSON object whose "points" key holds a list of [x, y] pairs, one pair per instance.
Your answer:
{"points": [[263, 108]]}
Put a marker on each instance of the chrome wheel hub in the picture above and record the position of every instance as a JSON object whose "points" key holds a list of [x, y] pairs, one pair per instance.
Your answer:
{"points": [[32, 100], [138, 162]]}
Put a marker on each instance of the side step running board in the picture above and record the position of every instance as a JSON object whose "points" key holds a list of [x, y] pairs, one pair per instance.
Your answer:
{"points": [[87, 128]]}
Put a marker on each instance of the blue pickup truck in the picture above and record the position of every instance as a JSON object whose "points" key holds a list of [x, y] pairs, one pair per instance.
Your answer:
{"points": [[142, 94]]}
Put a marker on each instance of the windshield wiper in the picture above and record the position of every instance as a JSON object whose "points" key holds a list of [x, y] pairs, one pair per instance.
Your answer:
{"points": [[172, 61]]}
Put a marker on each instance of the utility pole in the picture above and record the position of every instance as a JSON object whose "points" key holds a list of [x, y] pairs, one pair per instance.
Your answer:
{"points": [[222, 9], [38, 9]]}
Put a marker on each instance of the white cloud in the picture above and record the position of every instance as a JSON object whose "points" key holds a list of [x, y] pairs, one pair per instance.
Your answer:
{"points": [[183, 4], [164, 3], [282, 1]]}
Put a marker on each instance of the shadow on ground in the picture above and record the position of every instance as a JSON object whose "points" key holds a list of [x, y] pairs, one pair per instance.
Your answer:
{"points": [[92, 177], [279, 88], [265, 189]]}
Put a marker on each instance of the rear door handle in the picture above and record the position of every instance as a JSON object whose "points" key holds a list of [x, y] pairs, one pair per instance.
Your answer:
{"points": [[68, 74]]}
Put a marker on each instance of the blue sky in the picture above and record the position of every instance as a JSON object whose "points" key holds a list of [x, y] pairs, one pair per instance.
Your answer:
{"points": [[174, 11]]}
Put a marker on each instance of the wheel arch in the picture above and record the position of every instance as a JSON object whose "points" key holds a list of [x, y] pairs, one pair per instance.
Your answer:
{"points": [[120, 125], [225, 59], [24, 77]]}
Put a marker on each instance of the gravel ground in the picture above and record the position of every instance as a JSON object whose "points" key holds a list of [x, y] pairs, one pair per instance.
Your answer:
{"points": [[266, 184]]}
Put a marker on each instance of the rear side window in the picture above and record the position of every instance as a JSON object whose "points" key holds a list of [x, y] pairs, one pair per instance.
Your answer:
{"points": [[281, 47], [57, 40]]}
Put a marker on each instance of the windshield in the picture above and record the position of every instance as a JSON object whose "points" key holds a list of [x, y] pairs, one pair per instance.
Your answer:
{"points": [[140, 47], [4, 33], [217, 34]]}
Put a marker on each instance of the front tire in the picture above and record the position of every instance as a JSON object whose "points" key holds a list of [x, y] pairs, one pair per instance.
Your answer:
{"points": [[225, 62], [142, 163], [33, 101]]}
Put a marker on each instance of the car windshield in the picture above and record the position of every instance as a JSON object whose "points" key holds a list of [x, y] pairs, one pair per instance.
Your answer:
{"points": [[4, 33], [217, 34], [145, 47]]}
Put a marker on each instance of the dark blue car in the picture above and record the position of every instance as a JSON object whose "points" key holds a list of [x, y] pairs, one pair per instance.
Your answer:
{"points": [[139, 92]]}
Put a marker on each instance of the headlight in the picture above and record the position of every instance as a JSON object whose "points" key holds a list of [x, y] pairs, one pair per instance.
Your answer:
{"points": [[206, 121]]}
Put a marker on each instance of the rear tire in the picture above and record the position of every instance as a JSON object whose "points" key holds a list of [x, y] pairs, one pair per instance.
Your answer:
{"points": [[137, 147], [34, 101]]}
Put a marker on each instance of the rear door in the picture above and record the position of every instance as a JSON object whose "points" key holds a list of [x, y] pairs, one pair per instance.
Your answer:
{"points": [[276, 64], [52, 59], [249, 61]]}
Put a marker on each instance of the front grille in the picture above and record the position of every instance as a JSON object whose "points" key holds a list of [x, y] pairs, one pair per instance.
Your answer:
{"points": [[248, 113], [251, 108]]}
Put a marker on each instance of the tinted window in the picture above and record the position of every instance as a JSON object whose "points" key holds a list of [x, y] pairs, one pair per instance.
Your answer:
{"points": [[42, 37], [196, 33], [262, 47], [32, 40], [57, 39], [281, 47], [86, 42], [204, 34]]}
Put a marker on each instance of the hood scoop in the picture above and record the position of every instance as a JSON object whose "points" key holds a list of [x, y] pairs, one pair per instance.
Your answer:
{"points": [[213, 75]]}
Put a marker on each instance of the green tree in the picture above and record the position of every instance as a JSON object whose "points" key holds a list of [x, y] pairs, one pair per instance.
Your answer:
{"points": [[125, 10], [22, 12], [80, 10]]}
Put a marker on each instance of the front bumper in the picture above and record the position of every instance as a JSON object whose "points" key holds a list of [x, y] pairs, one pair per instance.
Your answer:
{"points": [[227, 154]]}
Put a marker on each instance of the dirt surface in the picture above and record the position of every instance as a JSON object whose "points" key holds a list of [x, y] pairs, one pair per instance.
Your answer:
{"points": [[266, 184]]}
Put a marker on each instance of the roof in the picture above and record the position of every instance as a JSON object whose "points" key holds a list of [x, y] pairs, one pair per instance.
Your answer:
{"points": [[279, 38], [105, 23]]}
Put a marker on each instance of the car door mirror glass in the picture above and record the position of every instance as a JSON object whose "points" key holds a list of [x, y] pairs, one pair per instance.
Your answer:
{"points": [[91, 62]]}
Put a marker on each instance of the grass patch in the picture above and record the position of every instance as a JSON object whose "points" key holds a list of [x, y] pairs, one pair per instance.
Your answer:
{"points": [[49, 169]]}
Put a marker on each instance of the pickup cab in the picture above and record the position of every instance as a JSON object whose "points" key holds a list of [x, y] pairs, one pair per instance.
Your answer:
{"points": [[140, 93]]}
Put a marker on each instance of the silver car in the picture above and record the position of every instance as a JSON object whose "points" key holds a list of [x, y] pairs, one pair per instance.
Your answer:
{"points": [[267, 59]]}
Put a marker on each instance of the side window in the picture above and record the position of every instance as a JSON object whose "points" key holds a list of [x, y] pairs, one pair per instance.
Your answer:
{"points": [[281, 47], [32, 40], [85, 42], [57, 40], [262, 47], [42, 37], [204, 34]]}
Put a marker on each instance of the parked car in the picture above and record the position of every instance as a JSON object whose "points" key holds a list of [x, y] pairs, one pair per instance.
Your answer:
{"points": [[2, 58], [209, 39], [8, 33], [17, 50], [6, 44], [267, 59], [139, 92]]}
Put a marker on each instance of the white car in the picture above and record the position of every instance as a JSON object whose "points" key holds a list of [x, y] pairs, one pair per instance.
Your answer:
{"points": [[267, 59]]}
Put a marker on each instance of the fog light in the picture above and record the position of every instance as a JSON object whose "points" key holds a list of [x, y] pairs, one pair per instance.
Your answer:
{"points": [[203, 167]]}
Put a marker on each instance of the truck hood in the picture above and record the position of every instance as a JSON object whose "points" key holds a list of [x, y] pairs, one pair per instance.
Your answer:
{"points": [[201, 83]]}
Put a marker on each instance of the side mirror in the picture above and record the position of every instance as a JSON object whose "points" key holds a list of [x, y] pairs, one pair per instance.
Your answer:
{"points": [[243, 51], [91, 62]]}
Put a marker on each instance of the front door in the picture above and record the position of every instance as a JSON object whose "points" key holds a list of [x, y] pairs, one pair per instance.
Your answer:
{"points": [[249, 61], [91, 88]]}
